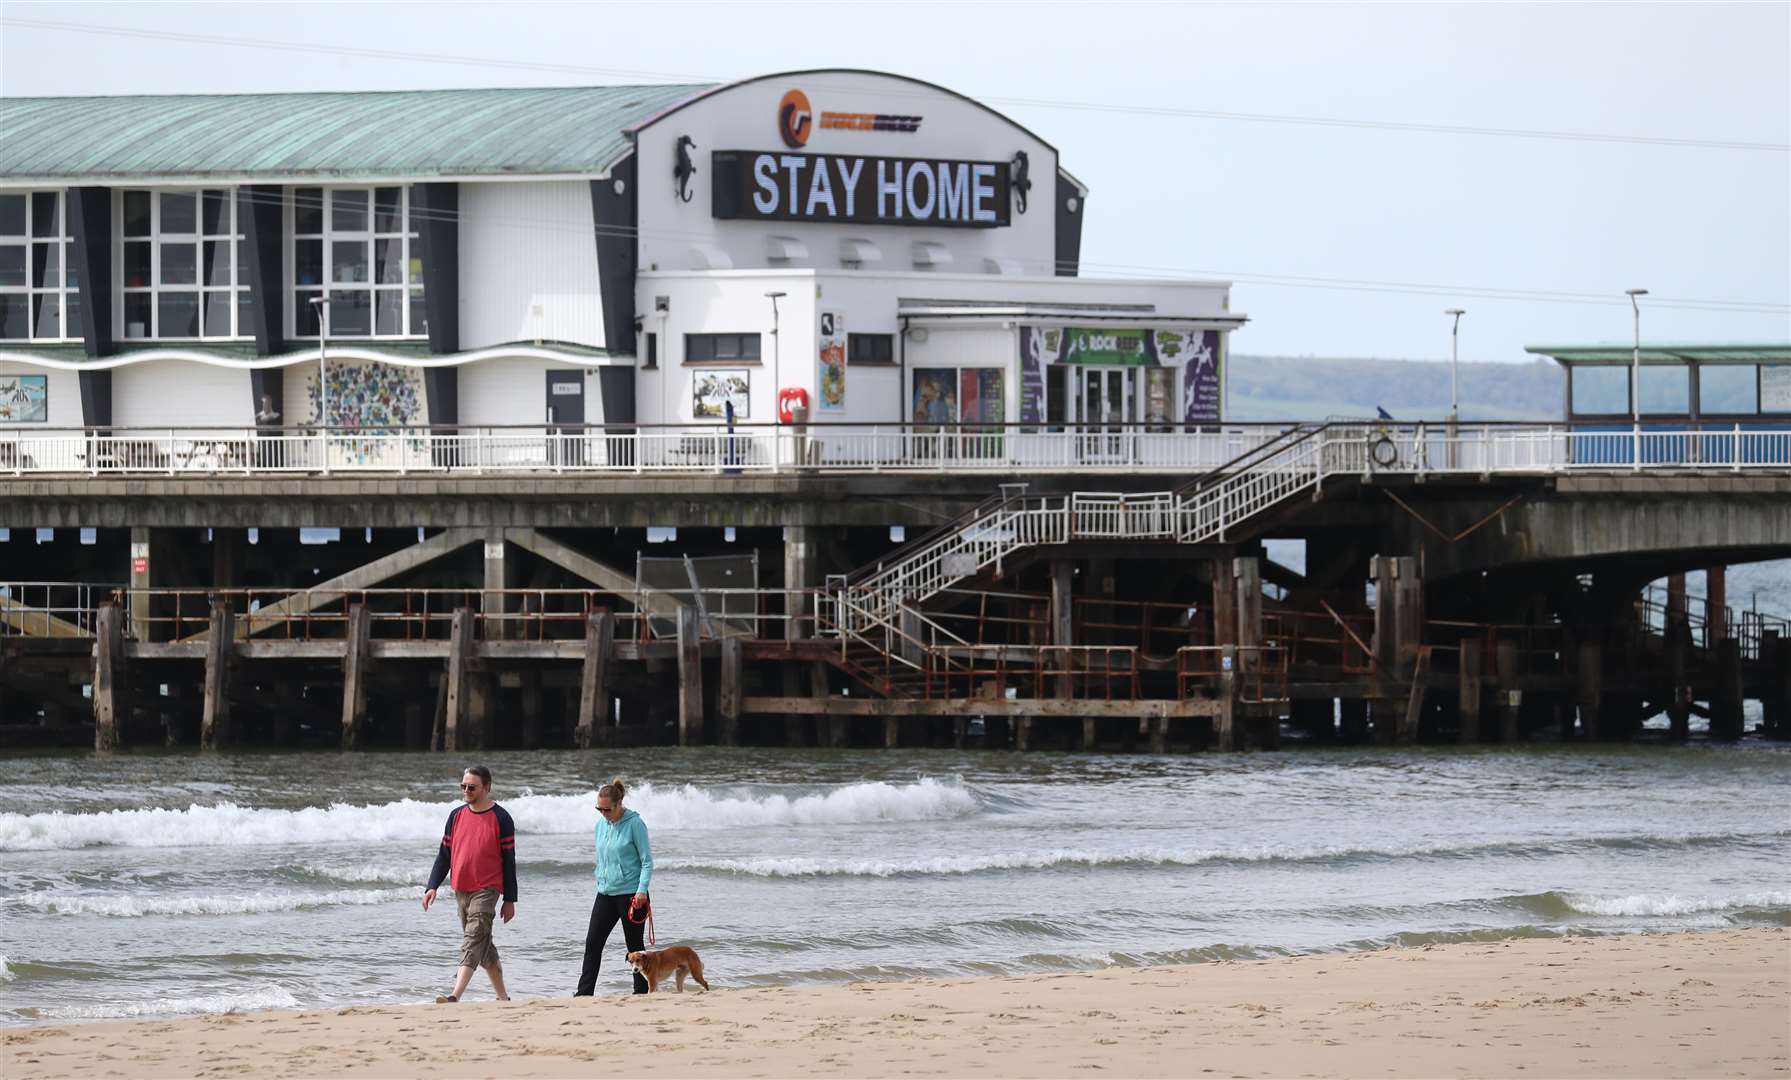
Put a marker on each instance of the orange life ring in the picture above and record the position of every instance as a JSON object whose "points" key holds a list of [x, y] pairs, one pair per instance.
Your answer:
{"points": [[787, 395]]}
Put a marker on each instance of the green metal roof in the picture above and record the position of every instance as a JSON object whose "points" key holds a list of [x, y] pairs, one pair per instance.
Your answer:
{"points": [[420, 133], [1665, 353]]}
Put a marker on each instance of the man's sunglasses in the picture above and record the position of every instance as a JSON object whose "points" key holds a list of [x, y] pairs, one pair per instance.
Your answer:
{"points": [[469, 787]]}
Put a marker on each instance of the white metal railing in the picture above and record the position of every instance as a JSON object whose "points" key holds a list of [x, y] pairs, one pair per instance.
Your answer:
{"points": [[896, 448]]}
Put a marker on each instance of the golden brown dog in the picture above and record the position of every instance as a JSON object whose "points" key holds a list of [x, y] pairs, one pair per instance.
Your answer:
{"points": [[677, 961]]}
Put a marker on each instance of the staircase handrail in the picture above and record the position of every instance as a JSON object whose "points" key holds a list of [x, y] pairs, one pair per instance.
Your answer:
{"points": [[1244, 461], [937, 535]]}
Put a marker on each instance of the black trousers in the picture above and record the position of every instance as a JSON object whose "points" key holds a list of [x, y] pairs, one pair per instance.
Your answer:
{"points": [[605, 913]]}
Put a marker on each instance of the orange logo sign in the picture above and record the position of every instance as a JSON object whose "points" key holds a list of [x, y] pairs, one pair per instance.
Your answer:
{"points": [[794, 118]]}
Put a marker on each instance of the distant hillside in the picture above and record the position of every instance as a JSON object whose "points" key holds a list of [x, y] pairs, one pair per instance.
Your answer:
{"points": [[1310, 388]]}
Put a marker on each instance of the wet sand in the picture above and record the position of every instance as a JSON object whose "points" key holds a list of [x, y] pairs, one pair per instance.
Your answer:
{"points": [[1705, 1004]]}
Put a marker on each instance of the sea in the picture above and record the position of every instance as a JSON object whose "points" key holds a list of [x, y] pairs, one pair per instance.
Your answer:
{"points": [[156, 884]]}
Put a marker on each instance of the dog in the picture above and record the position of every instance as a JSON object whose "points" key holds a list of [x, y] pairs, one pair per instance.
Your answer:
{"points": [[678, 961]]}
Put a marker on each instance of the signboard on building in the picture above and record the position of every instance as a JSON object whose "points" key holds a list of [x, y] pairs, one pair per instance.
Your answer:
{"points": [[1775, 387], [859, 190]]}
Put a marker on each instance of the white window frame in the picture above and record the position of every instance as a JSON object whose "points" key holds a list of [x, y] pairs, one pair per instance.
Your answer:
{"points": [[410, 288], [31, 290], [202, 290]]}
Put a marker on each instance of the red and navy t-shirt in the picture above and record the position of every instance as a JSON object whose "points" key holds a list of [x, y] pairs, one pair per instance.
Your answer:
{"points": [[479, 848]]}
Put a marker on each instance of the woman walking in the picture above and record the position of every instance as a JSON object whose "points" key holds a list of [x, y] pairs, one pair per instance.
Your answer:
{"points": [[624, 866]]}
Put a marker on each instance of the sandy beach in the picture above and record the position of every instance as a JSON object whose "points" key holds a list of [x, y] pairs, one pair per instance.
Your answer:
{"points": [[1704, 1004]]}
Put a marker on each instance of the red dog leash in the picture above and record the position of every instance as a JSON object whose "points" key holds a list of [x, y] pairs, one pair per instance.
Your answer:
{"points": [[645, 907]]}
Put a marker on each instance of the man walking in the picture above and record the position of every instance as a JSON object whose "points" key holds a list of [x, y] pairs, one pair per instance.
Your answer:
{"points": [[479, 847]]}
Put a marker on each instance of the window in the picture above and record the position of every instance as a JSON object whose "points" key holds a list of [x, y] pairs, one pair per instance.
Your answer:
{"points": [[721, 348], [1601, 390], [181, 275], [39, 298], [358, 244], [1665, 389], [870, 348], [652, 352], [1727, 389]]}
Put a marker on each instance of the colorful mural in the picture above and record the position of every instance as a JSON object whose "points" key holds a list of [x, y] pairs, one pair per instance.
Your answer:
{"points": [[831, 377], [712, 390], [370, 395], [24, 399]]}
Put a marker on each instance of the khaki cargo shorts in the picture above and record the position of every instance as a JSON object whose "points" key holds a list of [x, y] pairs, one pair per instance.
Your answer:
{"points": [[477, 910]]}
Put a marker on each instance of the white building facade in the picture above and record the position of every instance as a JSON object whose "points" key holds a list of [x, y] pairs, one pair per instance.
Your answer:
{"points": [[857, 247]]}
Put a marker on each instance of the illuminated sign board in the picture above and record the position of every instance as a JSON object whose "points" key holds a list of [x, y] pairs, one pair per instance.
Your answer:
{"points": [[854, 189]]}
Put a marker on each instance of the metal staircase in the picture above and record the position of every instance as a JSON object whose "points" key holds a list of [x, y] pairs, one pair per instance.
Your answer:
{"points": [[885, 638]]}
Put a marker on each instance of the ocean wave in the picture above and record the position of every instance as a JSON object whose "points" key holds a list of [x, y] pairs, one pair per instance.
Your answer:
{"points": [[1668, 905], [6, 974], [773, 866], [136, 907], [267, 997], [409, 820]]}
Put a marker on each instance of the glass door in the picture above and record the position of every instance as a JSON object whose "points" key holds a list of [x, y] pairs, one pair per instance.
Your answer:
{"points": [[1106, 403]]}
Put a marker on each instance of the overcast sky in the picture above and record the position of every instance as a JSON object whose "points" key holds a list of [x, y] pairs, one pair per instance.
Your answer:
{"points": [[1248, 200]]}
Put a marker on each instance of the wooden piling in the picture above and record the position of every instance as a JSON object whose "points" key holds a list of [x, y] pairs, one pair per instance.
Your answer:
{"points": [[215, 730], [111, 695], [1063, 624], [438, 725], [1414, 706], [728, 703], [1510, 700], [1023, 733], [460, 656], [1468, 692], [476, 726], [1225, 724], [690, 677], [354, 677], [892, 732], [1159, 734], [1090, 734], [593, 684]]}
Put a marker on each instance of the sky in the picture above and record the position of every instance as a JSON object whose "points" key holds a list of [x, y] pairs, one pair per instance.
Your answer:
{"points": [[1344, 238]]}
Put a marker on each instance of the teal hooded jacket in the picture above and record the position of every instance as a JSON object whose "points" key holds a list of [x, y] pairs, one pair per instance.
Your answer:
{"points": [[624, 859]]}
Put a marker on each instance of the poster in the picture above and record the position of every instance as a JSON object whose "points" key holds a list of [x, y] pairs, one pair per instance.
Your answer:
{"points": [[24, 399], [831, 376], [1159, 397], [981, 396], [1775, 387], [1039, 346], [1108, 345], [935, 399], [714, 388], [1200, 371]]}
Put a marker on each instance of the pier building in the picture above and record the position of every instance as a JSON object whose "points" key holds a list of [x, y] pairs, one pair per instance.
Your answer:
{"points": [[777, 411]]}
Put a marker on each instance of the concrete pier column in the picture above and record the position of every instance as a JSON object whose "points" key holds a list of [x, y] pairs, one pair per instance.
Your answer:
{"points": [[690, 677], [1589, 689], [1678, 645], [493, 602], [1246, 575], [1727, 721], [593, 685], [1090, 734], [215, 729], [728, 703], [1023, 733], [531, 707], [111, 694], [1063, 624], [1775, 699], [227, 548], [1224, 622], [1226, 731], [1159, 734], [354, 677], [456, 721], [140, 576], [892, 732], [1716, 612], [799, 573]]}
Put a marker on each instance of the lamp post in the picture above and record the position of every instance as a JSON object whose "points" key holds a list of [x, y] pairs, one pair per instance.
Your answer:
{"points": [[776, 347], [1454, 382], [1635, 356], [322, 304]]}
